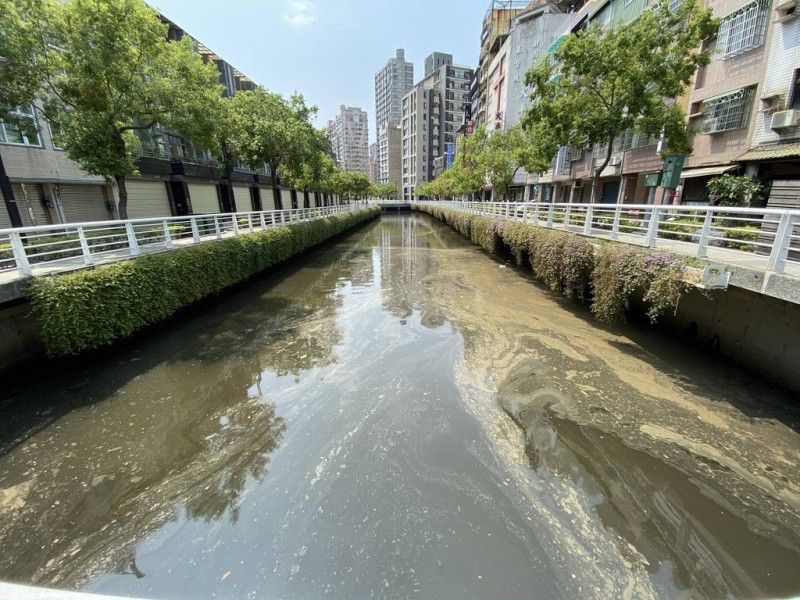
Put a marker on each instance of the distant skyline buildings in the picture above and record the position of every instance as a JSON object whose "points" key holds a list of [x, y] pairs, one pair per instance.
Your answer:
{"points": [[348, 133]]}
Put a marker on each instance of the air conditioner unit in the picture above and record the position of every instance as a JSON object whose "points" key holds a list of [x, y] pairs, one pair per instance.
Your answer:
{"points": [[784, 119], [615, 161]]}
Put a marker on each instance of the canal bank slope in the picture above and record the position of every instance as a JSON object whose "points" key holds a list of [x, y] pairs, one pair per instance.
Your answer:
{"points": [[757, 332], [93, 307]]}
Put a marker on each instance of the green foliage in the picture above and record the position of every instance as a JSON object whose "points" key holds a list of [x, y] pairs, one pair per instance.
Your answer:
{"points": [[568, 264], [730, 190], [270, 129], [622, 270], [19, 39], [685, 229], [93, 307], [601, 83], [351, 185], [384, 190], [742, 238], [106, 71]]}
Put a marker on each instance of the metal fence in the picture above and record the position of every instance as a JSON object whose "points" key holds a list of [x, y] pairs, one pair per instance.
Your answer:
{"points": [[52, 248], [771, 234]]}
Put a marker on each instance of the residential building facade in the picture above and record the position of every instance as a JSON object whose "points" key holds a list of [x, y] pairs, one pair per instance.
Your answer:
{"points": [[349, 137], [393, 81], [431, 114], [390, 155], [373, 163], [174, 176]]}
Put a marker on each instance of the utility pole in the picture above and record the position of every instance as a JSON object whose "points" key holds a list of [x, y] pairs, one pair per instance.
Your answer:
{"points": [[5, 182]]}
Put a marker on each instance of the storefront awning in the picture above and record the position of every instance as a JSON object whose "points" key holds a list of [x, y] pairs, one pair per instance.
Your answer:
{"points": [[706, 171], [772, 151]]}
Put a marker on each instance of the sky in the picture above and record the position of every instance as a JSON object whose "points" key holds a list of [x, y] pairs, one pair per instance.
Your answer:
{"points": [[329, 50]]}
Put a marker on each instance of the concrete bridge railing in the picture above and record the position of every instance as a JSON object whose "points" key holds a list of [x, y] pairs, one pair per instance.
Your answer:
{"points": [[29, 251], [761, 238]]}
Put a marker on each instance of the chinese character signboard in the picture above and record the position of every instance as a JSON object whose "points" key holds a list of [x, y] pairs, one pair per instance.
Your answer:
{"points": [[470, 127], [451, 154]]}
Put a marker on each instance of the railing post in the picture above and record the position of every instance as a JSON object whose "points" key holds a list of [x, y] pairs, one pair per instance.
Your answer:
{"points": [[216, 227], [652, 227], [615, 225], [235, 224], [568, 217], [508, 209], [587, 225], [263, 222], [780, 248], [535, 213], [195, 229], [85, 250], [283, 219], [133, 243], [705, 232], [524, 213], [167, 236], [20, 257], [549, 216]]}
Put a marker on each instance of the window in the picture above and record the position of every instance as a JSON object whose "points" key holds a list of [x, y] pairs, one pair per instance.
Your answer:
{"points": [[727, 111], [26, 134], [795, 90], [743, 29]]}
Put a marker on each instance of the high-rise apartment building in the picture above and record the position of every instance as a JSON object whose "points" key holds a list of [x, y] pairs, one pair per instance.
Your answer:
{"points": [[373, 163], [390, 155], [432, 112], [392, 82], [349, 136]]}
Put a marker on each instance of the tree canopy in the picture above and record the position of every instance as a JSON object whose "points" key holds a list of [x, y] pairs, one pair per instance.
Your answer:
{"points": [[601, 83], [104, 69]]}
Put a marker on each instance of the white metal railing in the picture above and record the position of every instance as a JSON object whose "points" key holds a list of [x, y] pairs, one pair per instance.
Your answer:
{"points": [[773, 234], [52, 248]]}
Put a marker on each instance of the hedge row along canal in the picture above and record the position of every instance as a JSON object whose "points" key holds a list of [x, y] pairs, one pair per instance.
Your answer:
{"points": [[93, 307], [608, 275]]}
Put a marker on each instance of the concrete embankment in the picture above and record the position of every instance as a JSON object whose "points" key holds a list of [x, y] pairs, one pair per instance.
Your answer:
{"points": [[68, 313]]}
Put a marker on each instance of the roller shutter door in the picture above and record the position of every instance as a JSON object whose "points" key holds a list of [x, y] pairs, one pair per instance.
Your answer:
{"points": [[286, 197], [30, 205], [84, 203], [148, 199], [244, 201], [267, 199], [204, 198]]}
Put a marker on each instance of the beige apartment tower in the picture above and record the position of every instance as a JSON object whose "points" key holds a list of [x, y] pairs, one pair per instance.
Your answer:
{"points": [[349, 136]]}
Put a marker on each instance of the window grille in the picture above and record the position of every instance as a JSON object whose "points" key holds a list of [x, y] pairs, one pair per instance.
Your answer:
{"points": [[574, 153], [727, 112], [674, 5], [743, 29]]}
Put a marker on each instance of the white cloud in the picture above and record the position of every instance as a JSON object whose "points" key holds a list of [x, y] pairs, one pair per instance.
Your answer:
{"points": [[301, 13]]}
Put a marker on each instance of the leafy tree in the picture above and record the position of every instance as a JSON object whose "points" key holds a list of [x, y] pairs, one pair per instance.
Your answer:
{"points": [[273, 130], [317, 167], [730, 190], [384, 190], [602, 83], [106, 70], [500, 155], [20, 73]]}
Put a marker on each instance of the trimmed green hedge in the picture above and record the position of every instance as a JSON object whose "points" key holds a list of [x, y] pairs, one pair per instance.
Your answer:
{"points": [[569, 265], [93, 307]]}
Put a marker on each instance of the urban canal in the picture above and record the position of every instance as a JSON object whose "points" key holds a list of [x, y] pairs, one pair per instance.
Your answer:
{"points": [[341, 429]]}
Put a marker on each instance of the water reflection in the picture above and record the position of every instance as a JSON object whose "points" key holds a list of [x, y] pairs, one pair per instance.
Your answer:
{"points": [[176, 425], [335, 429]]}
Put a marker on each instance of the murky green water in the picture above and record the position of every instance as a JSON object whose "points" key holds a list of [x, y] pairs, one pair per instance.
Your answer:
{"points": [[338, 429]]}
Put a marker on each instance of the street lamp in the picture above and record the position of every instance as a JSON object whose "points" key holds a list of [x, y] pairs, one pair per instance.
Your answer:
{"points": [[5, 182]]}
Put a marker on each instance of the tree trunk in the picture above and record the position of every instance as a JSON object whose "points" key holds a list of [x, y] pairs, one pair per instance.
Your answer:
{"points": [[596, 189], [123, 196]]}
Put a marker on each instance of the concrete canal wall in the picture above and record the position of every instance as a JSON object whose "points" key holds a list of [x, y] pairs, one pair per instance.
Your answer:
{"points": [[67, 313]]}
